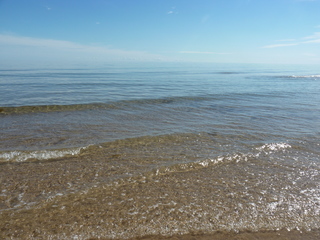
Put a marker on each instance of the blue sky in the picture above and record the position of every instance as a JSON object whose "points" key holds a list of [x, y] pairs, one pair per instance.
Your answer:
{"points": [[98, 31]]}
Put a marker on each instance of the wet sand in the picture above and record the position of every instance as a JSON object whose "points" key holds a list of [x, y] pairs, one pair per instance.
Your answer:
{"points": [[268, 235]]}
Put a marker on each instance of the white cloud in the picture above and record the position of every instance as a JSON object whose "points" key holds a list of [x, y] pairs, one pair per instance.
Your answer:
{"points": [[19, 48], [280, 45], [199, 52], [310, 54], [313, 41], [286, 40], [48, 8], [37, 42], [314, 38], [172, 11]]}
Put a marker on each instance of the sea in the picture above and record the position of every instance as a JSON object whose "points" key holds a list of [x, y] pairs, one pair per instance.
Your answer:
{"points": [[159, 150]]}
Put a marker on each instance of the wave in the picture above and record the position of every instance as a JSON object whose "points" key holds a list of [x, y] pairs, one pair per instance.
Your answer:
{"points": [[167, 141], [50, 108], [23, 156], [134, 176], [7, 110], [272, 147], [305, 76], [182, 199], [265, 149]]}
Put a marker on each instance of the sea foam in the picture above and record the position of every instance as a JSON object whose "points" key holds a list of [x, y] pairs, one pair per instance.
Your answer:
{"points": [[306, 76], [22, 156]]}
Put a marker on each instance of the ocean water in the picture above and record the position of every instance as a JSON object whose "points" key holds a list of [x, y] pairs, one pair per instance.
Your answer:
{"points": [[158, 149]]}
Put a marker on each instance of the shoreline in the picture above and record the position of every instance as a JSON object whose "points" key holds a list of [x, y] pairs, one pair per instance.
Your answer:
{"points": [[260, 235]]}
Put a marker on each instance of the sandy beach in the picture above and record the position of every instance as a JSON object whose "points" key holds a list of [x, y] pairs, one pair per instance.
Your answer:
{"points": [[268, 235]]}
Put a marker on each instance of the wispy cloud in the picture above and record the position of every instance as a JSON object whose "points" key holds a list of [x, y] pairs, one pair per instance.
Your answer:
{"points": [[48, 8], [205, 18], [314, 38], [172, 11], [310, 54], [280, 45], [69, 49], [13, 40], [286, 40], [315, 35], [313, 41], [199, 52]]}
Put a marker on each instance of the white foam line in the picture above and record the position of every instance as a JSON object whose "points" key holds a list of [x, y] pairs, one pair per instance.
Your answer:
{"points": [[306, 76], [274, 146], [21, 156]]}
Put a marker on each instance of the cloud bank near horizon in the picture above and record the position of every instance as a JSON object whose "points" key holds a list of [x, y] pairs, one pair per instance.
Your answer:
{"points": [[314, 38], [199, 52], [13, 46]]}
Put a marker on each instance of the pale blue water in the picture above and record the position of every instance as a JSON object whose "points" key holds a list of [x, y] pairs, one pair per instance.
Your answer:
{"points": [[148, 99], [252, 119], [22, 87]]}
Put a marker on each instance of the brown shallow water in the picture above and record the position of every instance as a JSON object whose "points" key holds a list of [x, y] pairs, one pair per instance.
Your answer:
{"points": [[138, 188], [271, 235]]}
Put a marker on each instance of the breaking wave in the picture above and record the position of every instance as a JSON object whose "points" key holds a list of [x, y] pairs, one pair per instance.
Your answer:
{"points": [[22, 156], [305, 76]]}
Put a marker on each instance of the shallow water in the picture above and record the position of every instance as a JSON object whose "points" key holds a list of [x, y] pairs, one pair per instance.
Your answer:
{"points": [[161, 150]]}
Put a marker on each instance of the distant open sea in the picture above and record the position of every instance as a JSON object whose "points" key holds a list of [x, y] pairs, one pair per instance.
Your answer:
{"points": [[159, 150]]}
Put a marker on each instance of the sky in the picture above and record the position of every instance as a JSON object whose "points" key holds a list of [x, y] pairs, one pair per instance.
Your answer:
{"points": [[102, 31]]}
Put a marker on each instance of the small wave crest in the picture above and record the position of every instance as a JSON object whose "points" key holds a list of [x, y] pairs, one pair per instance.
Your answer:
{"points": [[236, 157], [51, 108], [22, 156], [305, 76], [272, 147], [184, 167]]}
